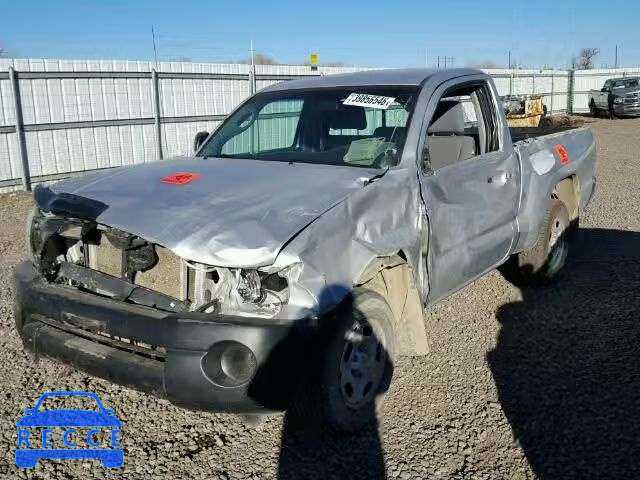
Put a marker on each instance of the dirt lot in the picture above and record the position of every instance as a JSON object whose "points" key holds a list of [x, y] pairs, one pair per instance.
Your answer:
{"points": [[520, 383]]}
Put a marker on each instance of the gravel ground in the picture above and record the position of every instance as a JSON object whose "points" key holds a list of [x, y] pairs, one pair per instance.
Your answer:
{"points": [[520, 383]]}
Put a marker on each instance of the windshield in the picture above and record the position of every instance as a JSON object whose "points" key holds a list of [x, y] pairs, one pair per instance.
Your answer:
{"points": [[359, 127], [628, 83]]}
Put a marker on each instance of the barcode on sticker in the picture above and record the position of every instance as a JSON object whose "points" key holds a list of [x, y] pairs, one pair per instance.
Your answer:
{"points": [[371, 101]]}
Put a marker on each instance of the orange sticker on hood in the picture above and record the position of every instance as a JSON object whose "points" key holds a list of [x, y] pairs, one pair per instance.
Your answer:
{"points": [[181, 178], [563, 154]]}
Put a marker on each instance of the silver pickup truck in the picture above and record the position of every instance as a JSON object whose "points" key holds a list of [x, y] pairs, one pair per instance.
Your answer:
{"points": [[288, 260], [619, 97]]}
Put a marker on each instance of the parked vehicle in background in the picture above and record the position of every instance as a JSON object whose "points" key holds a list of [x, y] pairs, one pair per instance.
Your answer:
{"points": [[619, 97], [289, 259]]}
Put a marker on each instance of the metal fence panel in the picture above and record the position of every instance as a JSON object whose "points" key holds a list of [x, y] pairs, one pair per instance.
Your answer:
{"points": [[94, 114]]}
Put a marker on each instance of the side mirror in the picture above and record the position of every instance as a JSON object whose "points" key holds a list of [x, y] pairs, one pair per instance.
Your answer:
{"points": [[199, 139], [603, 89]]}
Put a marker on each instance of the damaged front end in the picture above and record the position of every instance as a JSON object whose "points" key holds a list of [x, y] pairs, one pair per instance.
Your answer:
{"points": [[110, 262], [120, 307]]}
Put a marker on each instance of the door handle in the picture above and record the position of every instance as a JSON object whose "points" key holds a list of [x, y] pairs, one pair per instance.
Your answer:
{"points": [[500, 179]]}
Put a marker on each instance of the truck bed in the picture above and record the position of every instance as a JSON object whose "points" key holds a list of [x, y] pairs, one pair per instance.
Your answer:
{"points": [[548, 126]]}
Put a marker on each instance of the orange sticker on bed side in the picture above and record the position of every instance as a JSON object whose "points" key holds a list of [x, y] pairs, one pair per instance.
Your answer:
{"points": [[181, 178], [563, 154]]}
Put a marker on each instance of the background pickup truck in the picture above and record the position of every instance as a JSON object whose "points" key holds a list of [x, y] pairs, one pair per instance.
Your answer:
{"points": [[618, 97], [287, 262]]}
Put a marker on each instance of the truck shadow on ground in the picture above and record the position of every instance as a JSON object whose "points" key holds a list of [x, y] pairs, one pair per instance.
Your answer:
{"points": [[322, 455], [309, 449], [567, 363]]}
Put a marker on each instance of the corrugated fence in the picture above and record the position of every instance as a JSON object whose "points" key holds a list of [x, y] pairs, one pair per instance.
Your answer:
{"points": [[62, 117]]}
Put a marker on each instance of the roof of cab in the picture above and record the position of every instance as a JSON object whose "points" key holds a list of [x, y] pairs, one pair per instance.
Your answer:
{"points": [[404, 76]]}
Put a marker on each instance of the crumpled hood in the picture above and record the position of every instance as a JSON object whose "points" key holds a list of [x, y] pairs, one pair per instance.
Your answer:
{"points": [[237, 213]]}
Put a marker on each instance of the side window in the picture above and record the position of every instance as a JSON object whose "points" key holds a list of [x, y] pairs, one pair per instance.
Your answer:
{"points": [[274, 128], [464, 125]]}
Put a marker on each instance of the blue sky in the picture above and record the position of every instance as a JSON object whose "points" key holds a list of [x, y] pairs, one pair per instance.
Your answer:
{"points": [[386, 34]]}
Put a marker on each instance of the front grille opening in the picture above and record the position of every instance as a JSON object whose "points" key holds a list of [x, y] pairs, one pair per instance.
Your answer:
{"points": [[128, 345], [135, 346], [163, 277]]}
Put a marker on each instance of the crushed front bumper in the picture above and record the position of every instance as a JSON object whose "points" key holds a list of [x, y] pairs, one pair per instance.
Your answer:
{"points": [[102, 337]]}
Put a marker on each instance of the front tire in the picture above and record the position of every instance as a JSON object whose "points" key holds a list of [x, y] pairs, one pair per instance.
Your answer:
{"points": [[356, 366], [547, 258]]}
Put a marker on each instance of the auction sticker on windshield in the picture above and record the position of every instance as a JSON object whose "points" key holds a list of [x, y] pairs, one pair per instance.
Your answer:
{"points": [[371, 101]]}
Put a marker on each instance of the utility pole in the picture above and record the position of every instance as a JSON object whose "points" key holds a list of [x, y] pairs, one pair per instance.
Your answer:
{"points": [[252, 75], [252, 56], [509, 60], [155, 51], [445, 61], [615, 63]]}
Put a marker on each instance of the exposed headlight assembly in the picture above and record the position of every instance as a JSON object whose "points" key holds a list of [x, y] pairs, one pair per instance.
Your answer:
{"points": [[264, 293], [249, 286], [38, 234], [50, 239], [618, 100]]}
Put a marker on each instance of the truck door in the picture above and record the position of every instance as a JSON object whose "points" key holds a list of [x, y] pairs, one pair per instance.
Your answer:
{"points": [[470, 184], [602, 99]]}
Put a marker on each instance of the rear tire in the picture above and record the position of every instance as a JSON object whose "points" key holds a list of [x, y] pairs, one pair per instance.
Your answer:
{"points": [[592, 109], [546, 259]]}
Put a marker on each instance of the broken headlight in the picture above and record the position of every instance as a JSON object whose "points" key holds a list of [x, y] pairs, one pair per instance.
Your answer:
{"points": [[249, 286], [34, 242], [240, 291], [264, 293], [38, 234]]}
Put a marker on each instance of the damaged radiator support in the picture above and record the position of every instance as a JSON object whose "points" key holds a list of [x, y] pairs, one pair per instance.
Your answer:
{"points": [[119, 288], [163, 271]]}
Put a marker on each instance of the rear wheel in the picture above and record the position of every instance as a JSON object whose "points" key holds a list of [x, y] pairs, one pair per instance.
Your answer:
{"points": [[592, 109], [546, 259]]}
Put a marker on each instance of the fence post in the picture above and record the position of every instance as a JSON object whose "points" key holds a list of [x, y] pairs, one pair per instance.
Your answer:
{"points": [[552, 92], [510, 82], [156, 111], [251, 80], [570, 89], [533, 82], [22, 141]]}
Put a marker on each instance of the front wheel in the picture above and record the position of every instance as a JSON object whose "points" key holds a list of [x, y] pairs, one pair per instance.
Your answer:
{"points": [[356, 367], [546, 259]]}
